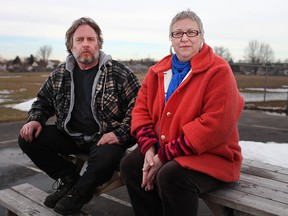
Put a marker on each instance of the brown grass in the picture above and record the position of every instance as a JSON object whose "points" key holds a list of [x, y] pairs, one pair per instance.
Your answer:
{"points": [[24, 86], [21, 85], [252, 81]]}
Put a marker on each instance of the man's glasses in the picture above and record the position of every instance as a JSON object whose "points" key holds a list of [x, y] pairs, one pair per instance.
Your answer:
{"points": [[189, 33]]}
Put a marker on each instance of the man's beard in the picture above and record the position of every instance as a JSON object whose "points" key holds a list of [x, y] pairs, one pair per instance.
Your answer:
{"points": [[87, 60]]}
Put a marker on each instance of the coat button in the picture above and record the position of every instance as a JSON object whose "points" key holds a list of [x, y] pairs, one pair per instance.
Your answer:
{"points": [[168, 114], [163, 137]]}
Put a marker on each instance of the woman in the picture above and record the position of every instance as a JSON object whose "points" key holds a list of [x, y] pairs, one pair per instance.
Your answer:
{"points": [[185, 120]]}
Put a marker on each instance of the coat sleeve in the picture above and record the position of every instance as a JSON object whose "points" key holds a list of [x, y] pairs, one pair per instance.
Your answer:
{"points": [[221, 108], [141, 115], [43, 108]]}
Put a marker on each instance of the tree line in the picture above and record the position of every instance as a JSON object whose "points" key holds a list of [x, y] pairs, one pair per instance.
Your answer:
{"points": [[255, 53]]}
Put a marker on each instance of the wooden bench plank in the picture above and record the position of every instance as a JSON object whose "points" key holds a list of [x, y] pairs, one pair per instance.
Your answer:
{"points": [[260, 191], [265, 166], [21, 205], [247, 203], [264, 182], [265, 170], [31, 192], [25, 199], [274, 175]]}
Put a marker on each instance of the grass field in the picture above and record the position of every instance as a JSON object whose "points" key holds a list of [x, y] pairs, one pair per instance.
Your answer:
{"points": [[19, 87]]}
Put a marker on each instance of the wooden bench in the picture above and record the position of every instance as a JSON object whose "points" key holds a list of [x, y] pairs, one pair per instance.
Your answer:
{"points": [[262, 190], [26, 200]]}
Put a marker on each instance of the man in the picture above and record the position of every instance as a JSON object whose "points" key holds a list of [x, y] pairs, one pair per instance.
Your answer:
{"points": [[92, 97]]}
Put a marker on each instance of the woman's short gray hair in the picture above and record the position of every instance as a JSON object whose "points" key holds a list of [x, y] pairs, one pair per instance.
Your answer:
{"points": [[187, 14], [81, 21]]}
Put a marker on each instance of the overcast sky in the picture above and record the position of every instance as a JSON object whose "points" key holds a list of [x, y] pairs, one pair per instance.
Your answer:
{"points": [[139, 29]]}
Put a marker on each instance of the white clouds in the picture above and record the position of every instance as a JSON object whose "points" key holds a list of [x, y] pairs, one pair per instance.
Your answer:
{"points": [[227, 23]]}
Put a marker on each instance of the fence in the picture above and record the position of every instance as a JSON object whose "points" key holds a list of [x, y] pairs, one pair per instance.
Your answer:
{"points": [[265, 93]]}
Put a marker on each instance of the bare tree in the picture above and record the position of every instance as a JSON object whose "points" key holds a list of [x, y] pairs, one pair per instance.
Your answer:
{"points": [[224, 53], [258, 53], [44, 52]]}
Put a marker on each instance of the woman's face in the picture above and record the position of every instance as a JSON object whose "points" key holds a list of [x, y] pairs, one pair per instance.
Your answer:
{"points": [[186, 47]]}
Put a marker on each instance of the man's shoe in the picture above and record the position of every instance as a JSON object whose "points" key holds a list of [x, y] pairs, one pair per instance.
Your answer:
{"points": [[63, 185], [71, 203]]}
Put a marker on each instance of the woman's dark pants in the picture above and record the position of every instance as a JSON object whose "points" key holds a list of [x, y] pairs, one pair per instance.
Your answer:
{"points": [[176, 190]]}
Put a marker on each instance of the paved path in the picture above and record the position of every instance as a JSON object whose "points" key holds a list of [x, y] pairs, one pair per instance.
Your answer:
{"points": [[16, 168]]}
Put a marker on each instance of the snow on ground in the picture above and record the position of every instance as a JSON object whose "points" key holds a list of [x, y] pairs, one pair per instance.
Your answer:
{"points": [[24, 106], [272, 153]]}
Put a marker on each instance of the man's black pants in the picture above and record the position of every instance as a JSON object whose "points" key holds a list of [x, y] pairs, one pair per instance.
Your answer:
{"points": [[45, 151]]}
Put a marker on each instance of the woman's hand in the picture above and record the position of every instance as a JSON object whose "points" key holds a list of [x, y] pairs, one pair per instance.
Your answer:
{"points": [[151, 166], [148, 163]]}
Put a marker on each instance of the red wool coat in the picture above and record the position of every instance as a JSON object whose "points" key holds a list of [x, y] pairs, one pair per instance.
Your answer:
{"points": [[205, 107]]}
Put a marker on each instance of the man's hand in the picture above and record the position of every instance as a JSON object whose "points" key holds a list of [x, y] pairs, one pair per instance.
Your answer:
{"points": [[108, 138], [28, 130]]}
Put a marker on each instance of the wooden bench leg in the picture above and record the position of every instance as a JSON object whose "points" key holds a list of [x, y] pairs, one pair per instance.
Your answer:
{"points": [[219, 210], [113, 183], [10, 213]]}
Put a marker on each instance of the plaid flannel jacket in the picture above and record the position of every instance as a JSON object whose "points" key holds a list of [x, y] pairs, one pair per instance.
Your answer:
{"points": [[114, 98]]}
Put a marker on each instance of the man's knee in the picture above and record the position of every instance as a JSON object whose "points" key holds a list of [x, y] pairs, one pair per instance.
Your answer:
{"points": [[23, 144]]}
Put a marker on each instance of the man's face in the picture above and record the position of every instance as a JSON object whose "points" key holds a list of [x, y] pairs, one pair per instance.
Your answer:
{"points": [[85, 46]]}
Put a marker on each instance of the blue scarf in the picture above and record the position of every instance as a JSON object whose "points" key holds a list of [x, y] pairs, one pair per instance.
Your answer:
{"points": [[179, 71]]}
